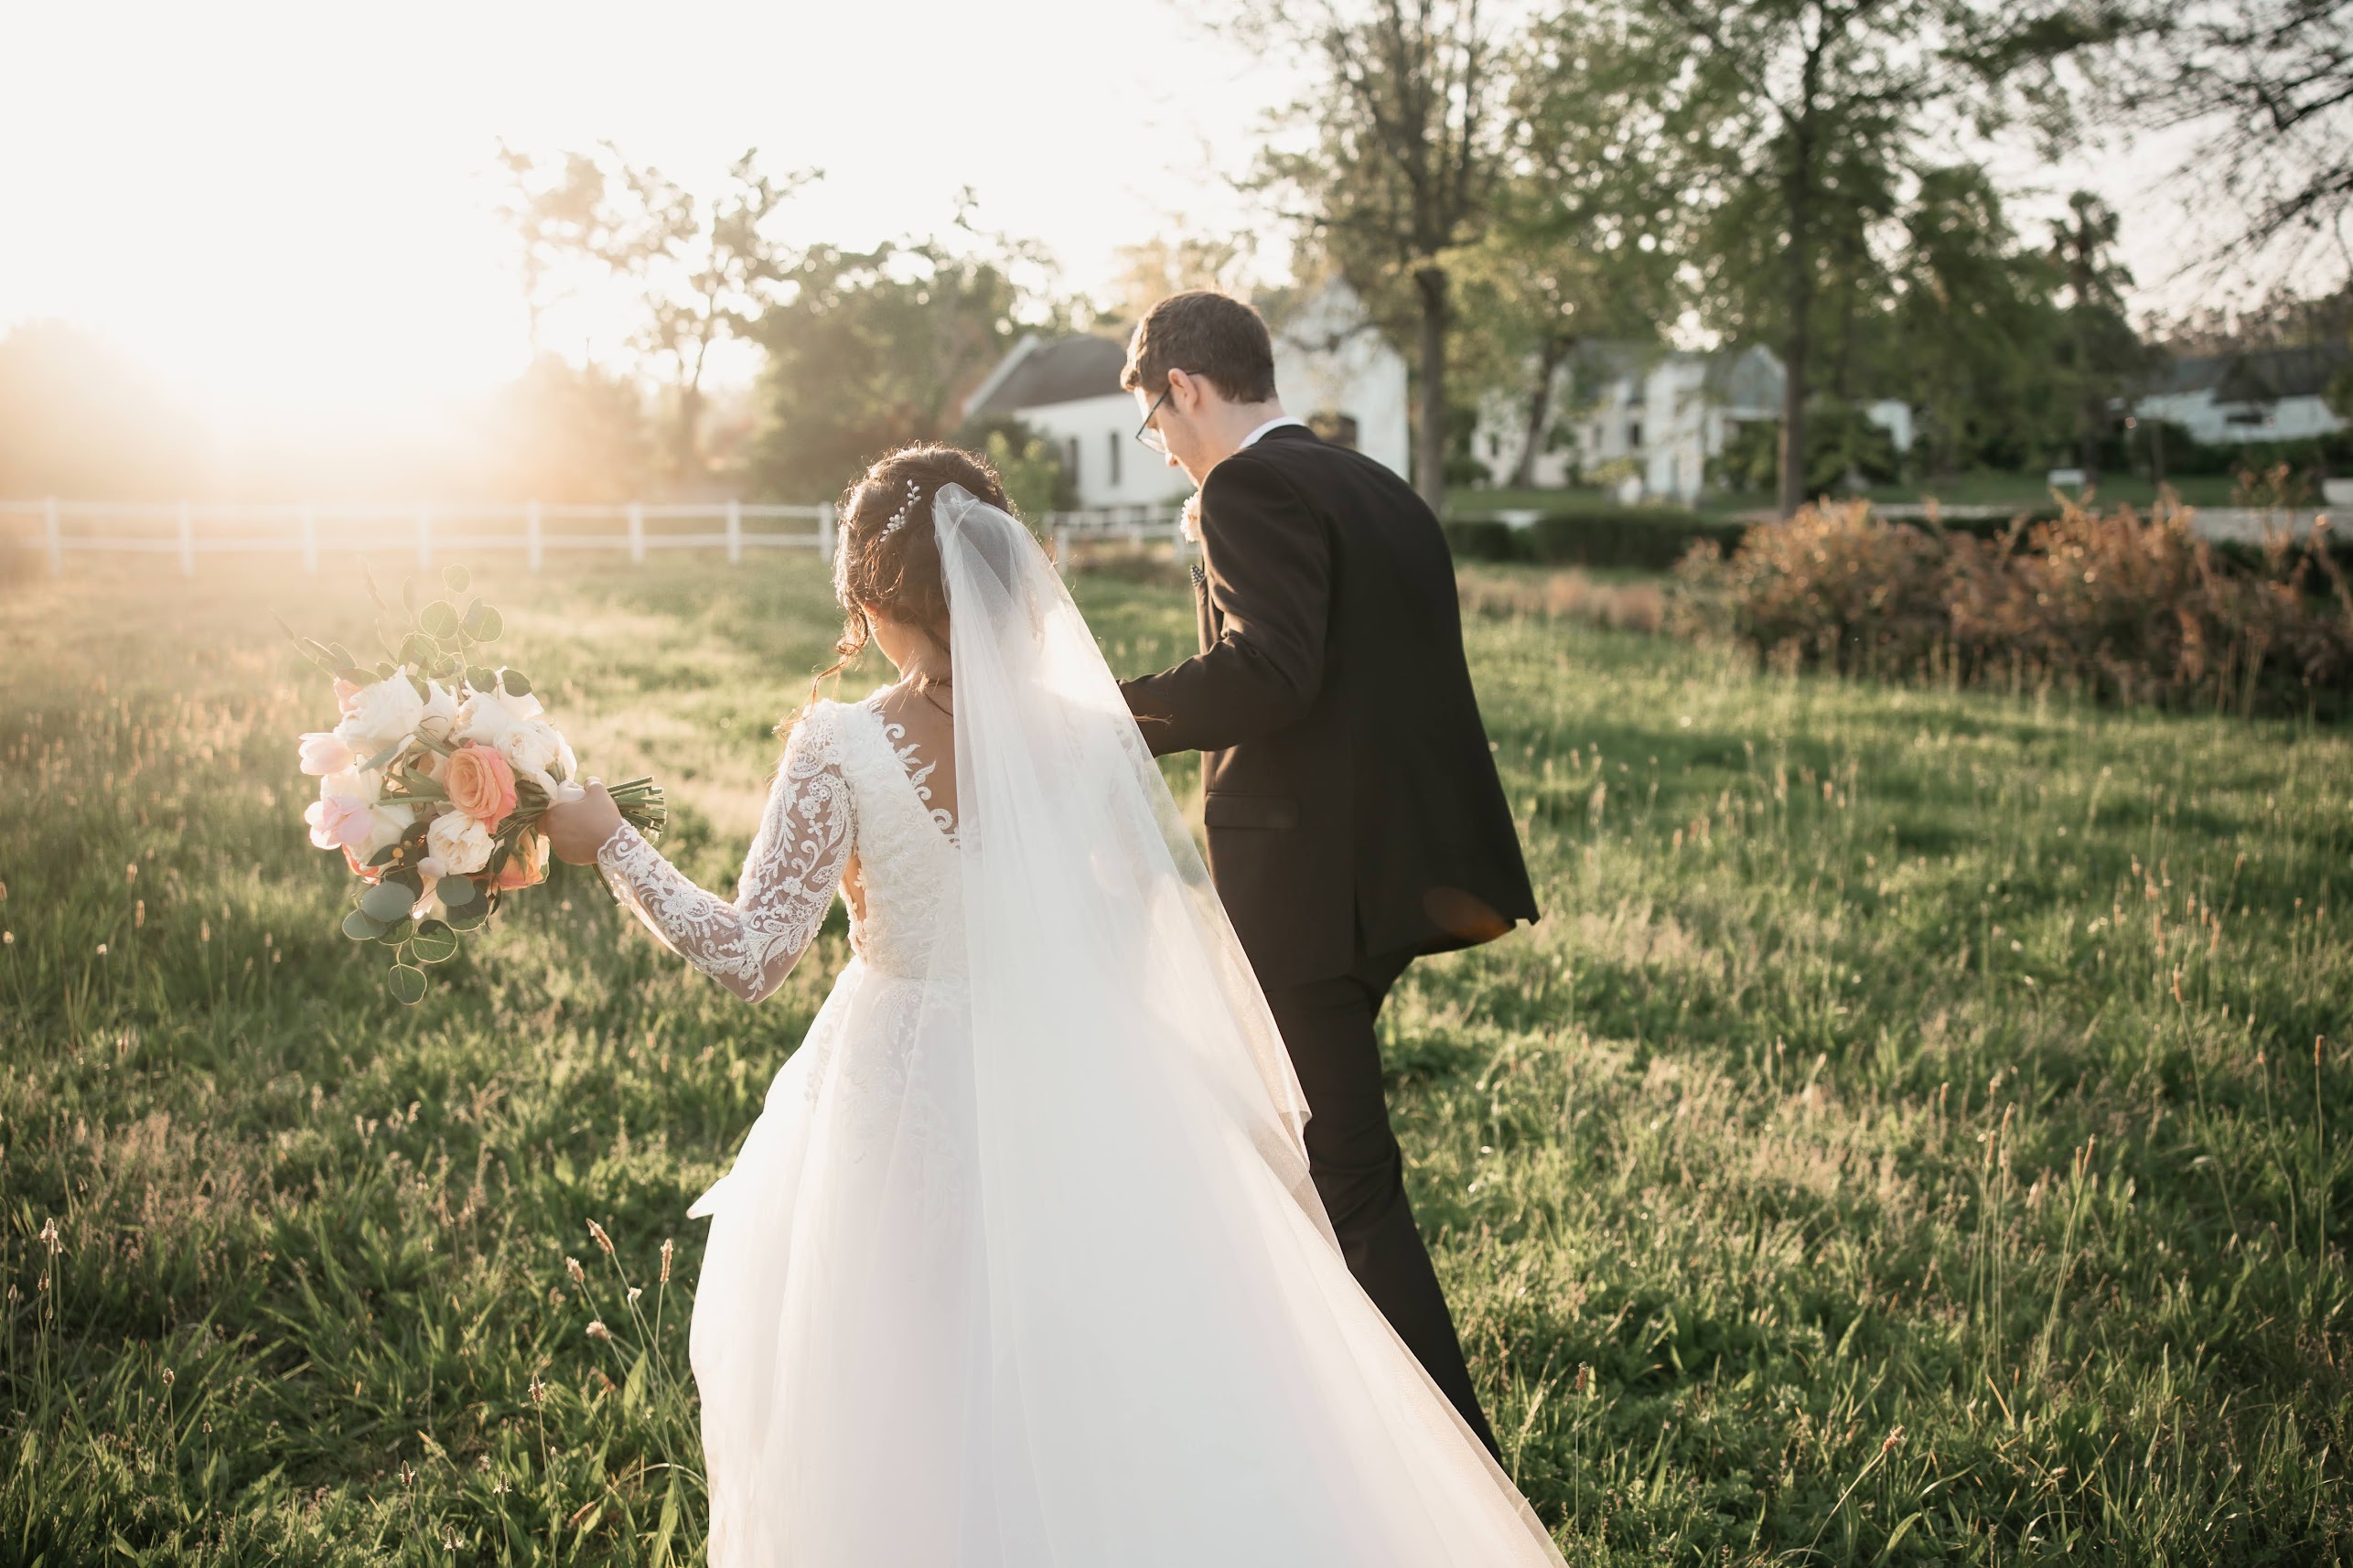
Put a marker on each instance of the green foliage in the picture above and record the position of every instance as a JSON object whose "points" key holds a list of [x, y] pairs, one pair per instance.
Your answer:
{"points": [[1904, 1140], [872, 350]]}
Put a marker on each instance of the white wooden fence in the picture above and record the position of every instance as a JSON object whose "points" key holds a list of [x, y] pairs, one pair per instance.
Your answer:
{"points": [[191, 528]]}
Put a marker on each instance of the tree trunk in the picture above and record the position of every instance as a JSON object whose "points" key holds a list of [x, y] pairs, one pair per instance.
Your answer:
{"points": [[1540, 409], [1430, 440], [1799, 302]]}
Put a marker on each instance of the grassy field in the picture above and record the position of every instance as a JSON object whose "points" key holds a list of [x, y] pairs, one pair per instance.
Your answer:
{"points": [[1913, 1134]]}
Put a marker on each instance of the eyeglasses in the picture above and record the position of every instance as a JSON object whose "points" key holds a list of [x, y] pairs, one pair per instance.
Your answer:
{"points": [[1147, 434]]}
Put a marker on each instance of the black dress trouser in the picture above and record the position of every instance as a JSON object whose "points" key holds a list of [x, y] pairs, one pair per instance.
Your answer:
{"points": [[1359, 1173]]}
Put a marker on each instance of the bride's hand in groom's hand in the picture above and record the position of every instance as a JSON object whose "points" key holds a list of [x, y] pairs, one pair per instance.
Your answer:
{"points": [[576, 830]]}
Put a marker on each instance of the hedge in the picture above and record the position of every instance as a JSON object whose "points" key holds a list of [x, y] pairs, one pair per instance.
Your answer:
{"points": [[1649, 538]]}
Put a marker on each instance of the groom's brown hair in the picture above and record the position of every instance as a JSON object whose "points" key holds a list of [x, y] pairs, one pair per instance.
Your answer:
{"points": [[1205, 334]]}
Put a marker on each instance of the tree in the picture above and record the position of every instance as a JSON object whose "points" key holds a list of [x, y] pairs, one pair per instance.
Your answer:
{"points": [[1408, 116], [867, 350], [1584, 242], [1797, 123], [1974, 326], [2270, 85], [2101, 352], [703, 270]]}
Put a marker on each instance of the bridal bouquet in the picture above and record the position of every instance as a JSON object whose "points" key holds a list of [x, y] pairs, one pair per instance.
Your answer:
{"points": [[435, 778]]}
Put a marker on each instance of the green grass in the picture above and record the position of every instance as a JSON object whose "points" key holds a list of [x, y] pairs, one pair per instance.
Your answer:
{"points": [[1904, 1140]]}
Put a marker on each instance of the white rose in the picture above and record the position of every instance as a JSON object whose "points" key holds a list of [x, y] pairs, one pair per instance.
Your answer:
{"points": [[459, 843], [353, 784], [324, 753], [486, 717], [532, 747], [386, 826], [380, 714], [440, 711]]}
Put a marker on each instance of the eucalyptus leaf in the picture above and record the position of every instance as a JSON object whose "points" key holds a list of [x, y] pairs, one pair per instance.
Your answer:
{"points": [[407, 982], [481, 677], [514, 683], [342, 654], [437, 619], [468, 915], [417, 649], [363, 927], [455, 578], [456, 892], [386, 669], [394, 936], [483, 624], [384, 758], [434, 943], [386, 902]]}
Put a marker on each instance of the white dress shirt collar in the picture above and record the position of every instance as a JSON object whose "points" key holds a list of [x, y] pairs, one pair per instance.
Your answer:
{"points": [[1275, 424]]}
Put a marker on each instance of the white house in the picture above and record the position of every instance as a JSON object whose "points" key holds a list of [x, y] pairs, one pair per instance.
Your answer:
{"points": [[2259, 395], [1331, 368], [1659, 415]]}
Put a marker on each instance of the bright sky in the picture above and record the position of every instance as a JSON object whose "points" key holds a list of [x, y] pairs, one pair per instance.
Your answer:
{"points": [[285, 209]]}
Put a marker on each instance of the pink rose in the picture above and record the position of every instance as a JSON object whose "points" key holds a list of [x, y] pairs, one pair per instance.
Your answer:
{"points": [[480, 783], [347, 695], [338, 821]]}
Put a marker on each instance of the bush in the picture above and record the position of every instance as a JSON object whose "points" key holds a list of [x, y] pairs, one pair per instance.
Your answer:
{"points": [[2115, 605], [1648, 538]]}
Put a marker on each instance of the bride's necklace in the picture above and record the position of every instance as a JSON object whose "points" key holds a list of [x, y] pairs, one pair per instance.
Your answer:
{"points": [[923, 685]]}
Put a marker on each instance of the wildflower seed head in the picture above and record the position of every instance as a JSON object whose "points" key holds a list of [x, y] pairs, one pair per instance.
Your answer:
{"points": [[170, 1377], [635, 1292], [668, 1246], [538, 1390], [597, 1330], [602, 1240], [49, 1237], [572, 1267]]}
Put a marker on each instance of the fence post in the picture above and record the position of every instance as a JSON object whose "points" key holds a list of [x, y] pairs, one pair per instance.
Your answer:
{"points": [[734, 531], [309, 539], [186, 540], [532, 545], [423, 538], [636, 533], [56, 538], [825, 534]]}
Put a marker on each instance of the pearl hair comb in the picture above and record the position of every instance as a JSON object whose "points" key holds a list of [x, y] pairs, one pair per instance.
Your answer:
{"points": [[897, 519]]}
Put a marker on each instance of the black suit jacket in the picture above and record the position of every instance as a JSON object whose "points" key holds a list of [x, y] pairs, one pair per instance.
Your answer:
{"points": [[1352, 800]]}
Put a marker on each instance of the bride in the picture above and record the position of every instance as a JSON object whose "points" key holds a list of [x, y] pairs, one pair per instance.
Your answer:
{"points": [[1021, 1266]]}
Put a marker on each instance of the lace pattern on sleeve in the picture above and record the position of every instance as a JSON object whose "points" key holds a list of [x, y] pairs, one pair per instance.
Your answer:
{"points": [[806, 837]]}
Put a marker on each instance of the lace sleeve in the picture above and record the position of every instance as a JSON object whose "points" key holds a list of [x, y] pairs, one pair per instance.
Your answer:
{"points": [[806, 837]]}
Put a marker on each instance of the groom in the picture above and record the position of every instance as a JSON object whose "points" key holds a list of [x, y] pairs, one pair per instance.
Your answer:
{"points": [[1354, 814]]}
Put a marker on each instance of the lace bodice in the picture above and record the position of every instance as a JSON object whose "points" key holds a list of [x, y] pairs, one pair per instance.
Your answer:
{"points": [[846, 789]]}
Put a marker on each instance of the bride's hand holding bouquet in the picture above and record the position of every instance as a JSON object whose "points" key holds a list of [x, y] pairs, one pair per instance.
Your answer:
{"points": [[438, 781]]}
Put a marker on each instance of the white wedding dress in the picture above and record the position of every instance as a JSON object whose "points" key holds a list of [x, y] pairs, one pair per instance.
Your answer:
{"points": [[1020, 1267]]}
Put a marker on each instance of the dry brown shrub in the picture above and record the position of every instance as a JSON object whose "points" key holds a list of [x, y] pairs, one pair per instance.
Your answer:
{"points": [[1563, 595], [2116, 605]]}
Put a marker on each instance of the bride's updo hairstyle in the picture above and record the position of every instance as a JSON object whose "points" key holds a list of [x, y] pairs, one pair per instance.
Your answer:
{"points": [[880, 564]]}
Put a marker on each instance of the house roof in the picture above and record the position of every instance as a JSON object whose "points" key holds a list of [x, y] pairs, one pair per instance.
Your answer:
{"points": [[2258, 375], [1039, 371]]}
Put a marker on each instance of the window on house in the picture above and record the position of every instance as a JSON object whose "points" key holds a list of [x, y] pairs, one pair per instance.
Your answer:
{"points": [[1117, 442], [1634, 435], [1070, 451], [1339, 429]]}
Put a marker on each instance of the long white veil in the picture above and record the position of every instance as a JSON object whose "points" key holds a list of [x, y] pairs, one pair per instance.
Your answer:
{"points": [[1148, 1239]]}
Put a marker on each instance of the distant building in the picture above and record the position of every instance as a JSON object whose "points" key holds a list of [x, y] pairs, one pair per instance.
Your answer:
{"points": [[1660, 415], [2258, 394], [1331, 369]]}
